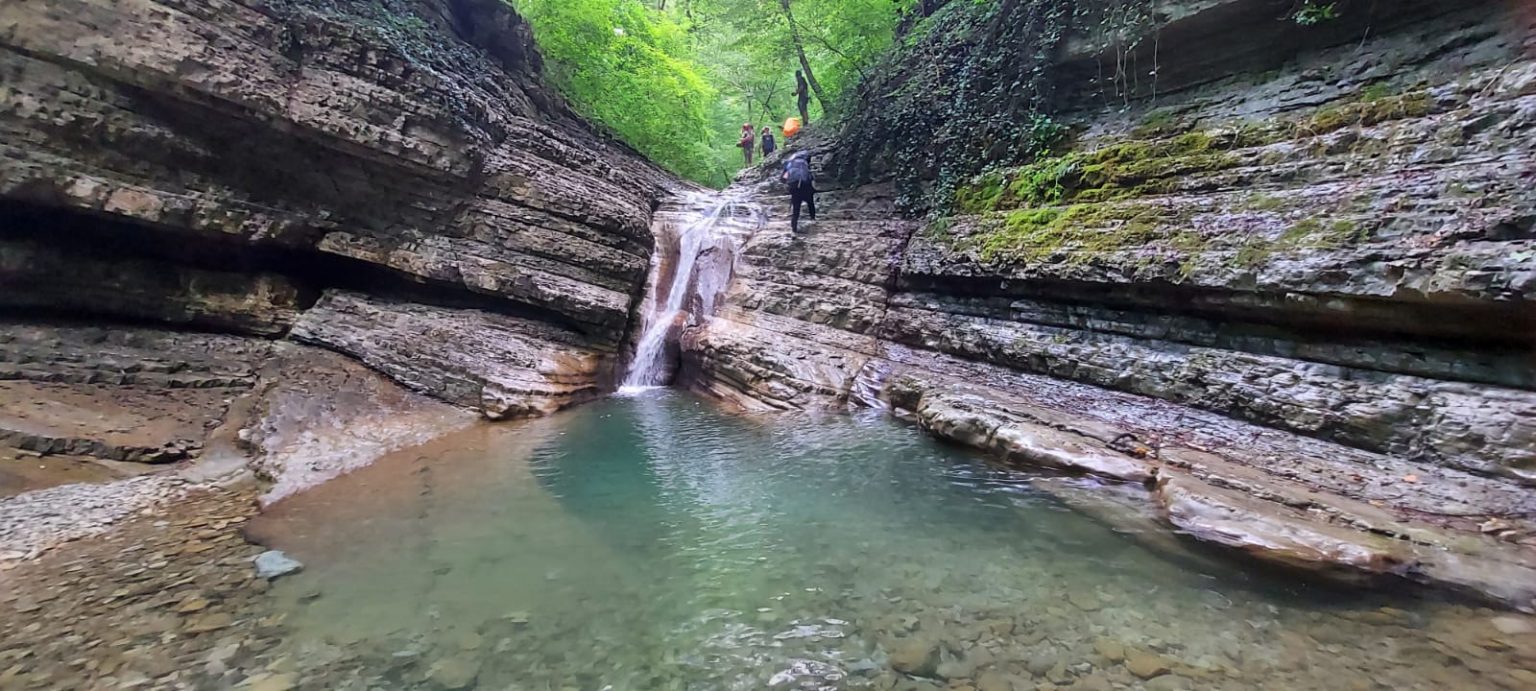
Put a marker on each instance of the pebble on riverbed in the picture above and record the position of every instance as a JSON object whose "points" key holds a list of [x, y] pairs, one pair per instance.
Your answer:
{"points": [[33, 522], [274, 564]]}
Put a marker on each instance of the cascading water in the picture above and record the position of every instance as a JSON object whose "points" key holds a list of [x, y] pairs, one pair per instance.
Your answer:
{"points": [[701, 223]]}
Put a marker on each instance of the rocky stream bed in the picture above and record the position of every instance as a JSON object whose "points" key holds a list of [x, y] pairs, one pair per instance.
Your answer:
{"points": [[170, 599]]}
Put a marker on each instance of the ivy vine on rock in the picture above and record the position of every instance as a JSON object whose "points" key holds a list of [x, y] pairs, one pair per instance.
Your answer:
{"points": [[1313, 12], [970, 90]]}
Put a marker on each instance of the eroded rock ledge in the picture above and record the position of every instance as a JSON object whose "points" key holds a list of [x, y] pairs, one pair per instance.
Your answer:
{"points": [[1294, 306]]}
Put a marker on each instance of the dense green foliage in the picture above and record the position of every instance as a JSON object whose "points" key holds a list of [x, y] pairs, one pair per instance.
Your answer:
{"points": [[929, 101], [677, 78], [623, 66]]}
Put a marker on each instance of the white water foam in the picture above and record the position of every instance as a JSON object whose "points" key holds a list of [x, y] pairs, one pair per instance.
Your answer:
{"points": [[701, 231]]}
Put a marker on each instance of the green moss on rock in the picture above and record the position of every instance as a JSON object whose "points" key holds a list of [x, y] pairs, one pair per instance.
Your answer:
{"points": [[1119, 171], [1371, 109], [1080, 232]]}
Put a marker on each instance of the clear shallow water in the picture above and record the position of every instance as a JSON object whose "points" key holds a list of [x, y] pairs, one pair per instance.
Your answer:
{"points": [[653, 542]]}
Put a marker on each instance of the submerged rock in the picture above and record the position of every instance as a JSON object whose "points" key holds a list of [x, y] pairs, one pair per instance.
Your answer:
{"points": [[1167, 682], [1511, 625], [808, 675], [1085, 599], [457, 672], [918, 656], [469, 641], [1147, 665], [272, 682], [208, 622], [1111, 649], [955, 669], [1092, 682], [274, 564], [997, 681], [1041, 663]]}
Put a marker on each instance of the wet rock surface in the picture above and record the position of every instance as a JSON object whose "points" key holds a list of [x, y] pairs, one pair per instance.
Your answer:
{"points": [[316, 414], [274, 563], [23, 471], [1252, 311], [120, 393]]}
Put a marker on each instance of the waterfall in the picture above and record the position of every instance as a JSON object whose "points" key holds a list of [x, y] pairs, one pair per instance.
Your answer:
{"points": [[868, 383], [704, 224]]}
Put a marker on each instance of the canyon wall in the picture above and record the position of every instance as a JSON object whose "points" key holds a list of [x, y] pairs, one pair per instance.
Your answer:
{"points": [[389, 180], [1282, 277]]}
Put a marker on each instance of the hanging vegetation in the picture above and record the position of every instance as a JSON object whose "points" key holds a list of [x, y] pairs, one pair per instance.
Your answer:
{"points": [[969, 89]]}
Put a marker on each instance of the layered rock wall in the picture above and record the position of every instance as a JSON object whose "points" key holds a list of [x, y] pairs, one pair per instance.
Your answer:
{"points": [[234, 230], [1295, 302], [226, 165]]}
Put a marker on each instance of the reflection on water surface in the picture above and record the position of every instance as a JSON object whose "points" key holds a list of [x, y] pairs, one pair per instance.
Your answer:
{"points": [[654, 542]]}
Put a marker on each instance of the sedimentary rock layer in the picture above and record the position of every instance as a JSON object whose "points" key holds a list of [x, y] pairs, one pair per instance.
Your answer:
{"points": [[296, 414], [505, 366], [221, 165]]}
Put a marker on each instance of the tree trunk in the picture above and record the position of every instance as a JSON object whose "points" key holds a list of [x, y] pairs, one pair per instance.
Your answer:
{"points": [[805, 65]]}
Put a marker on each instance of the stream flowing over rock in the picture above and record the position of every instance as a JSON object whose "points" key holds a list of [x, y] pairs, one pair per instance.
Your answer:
{"points": [[697, 238], [1287, 290]]}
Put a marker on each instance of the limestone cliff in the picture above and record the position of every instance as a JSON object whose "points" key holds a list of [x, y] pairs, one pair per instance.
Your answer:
{"points": [[389, 179], [1286, 285]]}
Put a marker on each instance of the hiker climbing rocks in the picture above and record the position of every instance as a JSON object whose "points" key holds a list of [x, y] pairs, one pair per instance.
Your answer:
{"points": [[747, 142], [768, 144], [803, 97], [802, 187]]}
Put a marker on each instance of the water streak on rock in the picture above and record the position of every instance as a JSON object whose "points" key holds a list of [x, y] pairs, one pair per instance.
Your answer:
{"points": [[696, 243]]}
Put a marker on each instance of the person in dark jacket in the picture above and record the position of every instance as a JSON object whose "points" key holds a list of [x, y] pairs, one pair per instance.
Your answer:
{"points": [[803, 97], [802, 187], [768, 144]]}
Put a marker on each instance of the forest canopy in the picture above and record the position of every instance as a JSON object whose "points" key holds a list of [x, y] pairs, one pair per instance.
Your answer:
{"points": [[677, 78]]}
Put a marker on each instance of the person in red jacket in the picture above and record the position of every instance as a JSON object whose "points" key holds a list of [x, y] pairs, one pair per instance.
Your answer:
{"points": [[747, 142]]}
